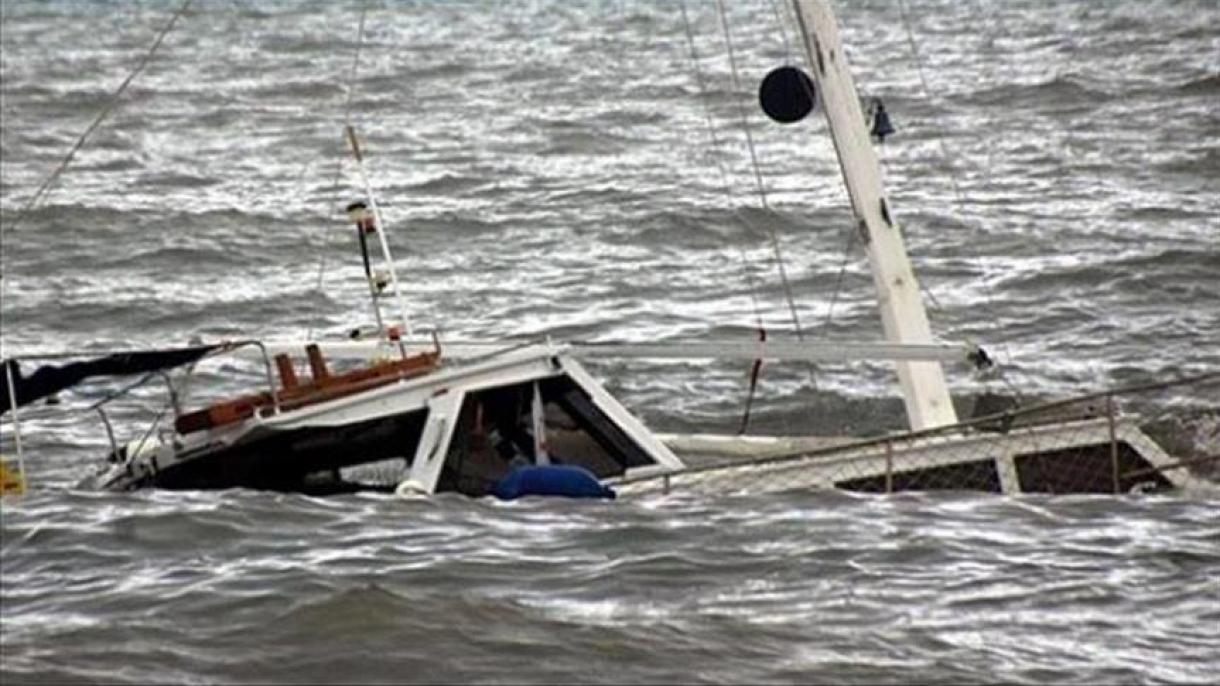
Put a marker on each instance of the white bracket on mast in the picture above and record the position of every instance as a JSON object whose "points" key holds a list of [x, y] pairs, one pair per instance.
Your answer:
{"points": [[903, 317]]}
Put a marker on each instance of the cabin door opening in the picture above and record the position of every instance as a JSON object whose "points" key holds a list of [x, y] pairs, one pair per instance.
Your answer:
{"points": [[498, 429]]}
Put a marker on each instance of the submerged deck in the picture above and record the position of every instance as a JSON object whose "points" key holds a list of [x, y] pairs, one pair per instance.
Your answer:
{"points": [[1078, 445]]}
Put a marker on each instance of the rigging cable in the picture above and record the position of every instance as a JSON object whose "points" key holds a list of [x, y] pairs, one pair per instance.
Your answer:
{"points": [[349, 88], [834, 297], [780, 21], [106, 110], [988, 292], [762, 193], [1003, 31], [927, 92], [110, 105], [849, 241], [727, 188]]}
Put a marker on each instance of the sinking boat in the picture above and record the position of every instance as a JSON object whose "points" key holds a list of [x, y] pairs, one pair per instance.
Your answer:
{"points": [[436, 427], [420, 420]]}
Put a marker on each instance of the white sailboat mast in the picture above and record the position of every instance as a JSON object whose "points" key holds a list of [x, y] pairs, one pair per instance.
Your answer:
{"points": [[902, 312]]}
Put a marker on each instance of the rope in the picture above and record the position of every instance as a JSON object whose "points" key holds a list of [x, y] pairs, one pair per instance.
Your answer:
{"points": [[349, 88]]}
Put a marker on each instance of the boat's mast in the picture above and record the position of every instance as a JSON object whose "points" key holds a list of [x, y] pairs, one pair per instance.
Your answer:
{"points": [[902, 312]]}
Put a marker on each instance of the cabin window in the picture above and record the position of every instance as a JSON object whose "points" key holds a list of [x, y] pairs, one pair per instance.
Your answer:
{"points": [[494, 432], [1086, 469], [371, 455]]}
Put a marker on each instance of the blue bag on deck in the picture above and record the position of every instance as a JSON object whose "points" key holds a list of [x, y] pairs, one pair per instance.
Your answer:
{"points": [[564, 480]]}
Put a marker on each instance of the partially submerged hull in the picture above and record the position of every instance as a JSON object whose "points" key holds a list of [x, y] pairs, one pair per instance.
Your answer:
{"points": [[464, 428], [460, 428]]}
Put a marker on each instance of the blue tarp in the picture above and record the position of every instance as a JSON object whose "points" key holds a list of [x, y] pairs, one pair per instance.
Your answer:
{"points": [[567, 481]]}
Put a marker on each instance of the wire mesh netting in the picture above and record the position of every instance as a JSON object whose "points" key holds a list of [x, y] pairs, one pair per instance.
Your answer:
{"points": [[1138, 439]]}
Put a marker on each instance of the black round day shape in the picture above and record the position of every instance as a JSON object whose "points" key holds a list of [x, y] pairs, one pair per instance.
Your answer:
{"points": [[786, 94]]}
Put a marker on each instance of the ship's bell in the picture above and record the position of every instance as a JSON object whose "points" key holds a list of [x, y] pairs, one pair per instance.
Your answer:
{"points": [[881, 122]]}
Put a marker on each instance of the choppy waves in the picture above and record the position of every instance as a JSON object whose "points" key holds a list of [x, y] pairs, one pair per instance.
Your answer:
{"points": [[546, 169], [806, 587]]}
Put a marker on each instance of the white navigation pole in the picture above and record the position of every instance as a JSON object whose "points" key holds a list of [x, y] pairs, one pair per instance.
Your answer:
{"points": [[380, 230], [902, 312]]}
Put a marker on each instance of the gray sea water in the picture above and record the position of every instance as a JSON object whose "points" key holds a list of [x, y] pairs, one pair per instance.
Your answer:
{"points": [[546, 168]]}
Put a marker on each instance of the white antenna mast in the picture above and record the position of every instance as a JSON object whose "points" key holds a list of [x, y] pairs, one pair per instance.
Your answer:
{"points": [[380, 229]]}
